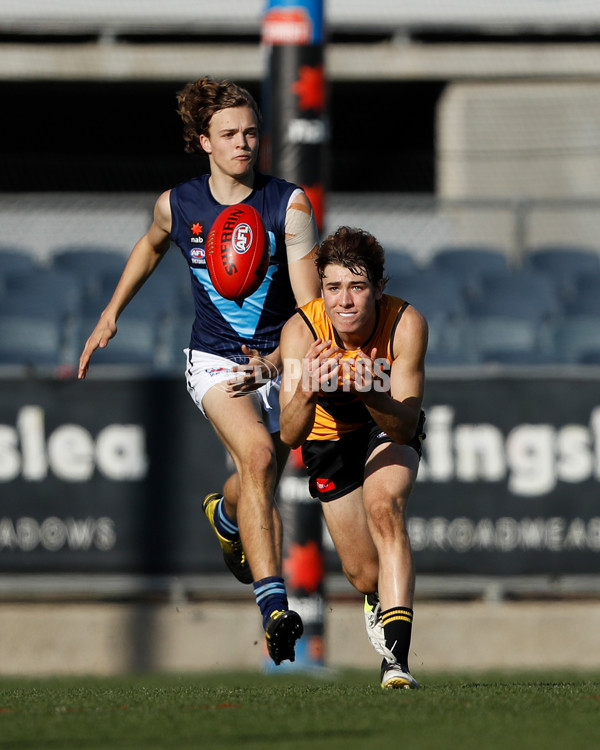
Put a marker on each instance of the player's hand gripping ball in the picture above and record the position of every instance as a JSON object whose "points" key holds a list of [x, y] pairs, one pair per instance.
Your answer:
{"points": [[237, 251]]}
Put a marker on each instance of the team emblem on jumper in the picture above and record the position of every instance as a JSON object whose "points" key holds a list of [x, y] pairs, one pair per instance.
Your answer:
{"points": [[241, 238]]}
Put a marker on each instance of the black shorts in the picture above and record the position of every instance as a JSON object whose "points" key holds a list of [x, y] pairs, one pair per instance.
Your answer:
{"points": [[336, 467]]}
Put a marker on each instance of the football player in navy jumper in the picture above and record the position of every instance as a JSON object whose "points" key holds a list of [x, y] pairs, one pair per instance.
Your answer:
{"points": [[233, 364]]}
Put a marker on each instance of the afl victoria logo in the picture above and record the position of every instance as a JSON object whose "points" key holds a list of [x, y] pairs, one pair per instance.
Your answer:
{"points": [[241, 238]]}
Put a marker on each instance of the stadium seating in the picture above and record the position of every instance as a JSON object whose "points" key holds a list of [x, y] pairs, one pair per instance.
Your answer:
{"points": [[577, 331], [561, 260], [159, 294], [590, 357], [173, 264], [39, 317], [511, 319], [88, 259], [34, 327], [136, 342], [88, 264], [516, 293], [577, 338], [45, 290], [399, 263], [508, 340], [564, 265], [478, 308], [585, 296], [150, 330], [30, 340], [469, 263], [176, 338], [13, 261], [433, 292], [439, 297]]}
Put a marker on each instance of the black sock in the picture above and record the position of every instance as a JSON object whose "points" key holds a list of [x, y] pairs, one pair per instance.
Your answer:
{"points": [[397, 628]]}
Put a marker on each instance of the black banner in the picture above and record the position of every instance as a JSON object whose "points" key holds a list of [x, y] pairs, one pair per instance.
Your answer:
{"points": [[105, 476], [509, 480], [108, 476]]}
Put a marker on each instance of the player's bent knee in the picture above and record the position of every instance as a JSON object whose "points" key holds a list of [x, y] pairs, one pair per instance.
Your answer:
{"points": [[259, 460], [385, 518], [364, 580]]}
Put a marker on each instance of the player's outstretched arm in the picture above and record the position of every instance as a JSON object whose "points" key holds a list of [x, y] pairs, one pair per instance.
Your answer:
{"points": [[144, 258]]}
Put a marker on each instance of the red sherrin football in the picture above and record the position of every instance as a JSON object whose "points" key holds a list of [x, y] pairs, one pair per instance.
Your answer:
{"points": [[237, 251]]}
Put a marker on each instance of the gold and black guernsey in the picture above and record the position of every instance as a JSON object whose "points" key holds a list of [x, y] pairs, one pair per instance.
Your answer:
{"points": [[340, 412]]}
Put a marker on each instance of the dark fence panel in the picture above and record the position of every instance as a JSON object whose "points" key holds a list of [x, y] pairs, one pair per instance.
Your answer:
{"points": [[107, 476], [509, 481]]}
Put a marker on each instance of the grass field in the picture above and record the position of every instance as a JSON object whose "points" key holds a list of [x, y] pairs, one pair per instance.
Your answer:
{"points": [[345, 711]]}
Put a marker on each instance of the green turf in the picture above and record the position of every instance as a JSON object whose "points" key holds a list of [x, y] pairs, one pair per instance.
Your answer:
{"points": [[348, 711]]}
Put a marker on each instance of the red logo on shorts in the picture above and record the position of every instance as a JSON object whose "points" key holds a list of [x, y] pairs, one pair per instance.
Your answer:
{"points": [[325, 485]]}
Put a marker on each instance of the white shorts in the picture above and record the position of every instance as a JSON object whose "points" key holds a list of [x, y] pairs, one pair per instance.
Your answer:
{"points": [[203, 371]]}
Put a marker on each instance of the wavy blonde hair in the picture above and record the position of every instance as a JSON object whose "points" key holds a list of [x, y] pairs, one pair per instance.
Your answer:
{"points": [[199, 100]]}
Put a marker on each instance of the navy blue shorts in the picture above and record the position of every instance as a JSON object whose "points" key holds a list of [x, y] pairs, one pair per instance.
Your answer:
{"points": [[336, 467]]}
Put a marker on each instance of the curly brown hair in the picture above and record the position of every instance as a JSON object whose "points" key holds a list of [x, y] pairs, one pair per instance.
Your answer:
{"points": [[355, 249], [199, 100]]}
